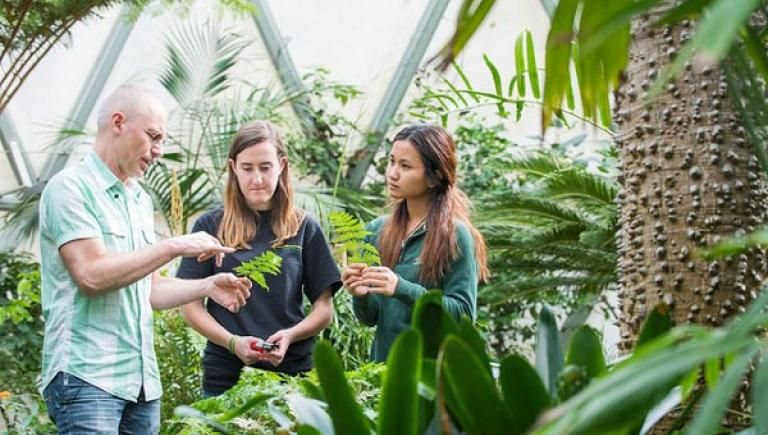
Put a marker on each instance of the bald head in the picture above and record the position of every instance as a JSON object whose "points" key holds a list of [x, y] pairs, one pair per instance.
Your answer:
{"points": [[132, 101]]}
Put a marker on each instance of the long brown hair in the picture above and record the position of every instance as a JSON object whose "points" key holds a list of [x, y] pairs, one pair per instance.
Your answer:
{"points": [[239, 223], [448, 203]]}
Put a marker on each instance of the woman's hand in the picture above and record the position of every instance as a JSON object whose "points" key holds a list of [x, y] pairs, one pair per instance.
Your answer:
{"points": [[351, 277], [244, 349], [378, 280], [282, 338]]}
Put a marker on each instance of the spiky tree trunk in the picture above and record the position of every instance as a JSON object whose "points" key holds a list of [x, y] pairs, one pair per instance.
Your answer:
{"points": [[689, 179]]}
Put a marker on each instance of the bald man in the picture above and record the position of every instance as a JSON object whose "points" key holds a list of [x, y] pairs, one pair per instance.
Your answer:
{"points": [[99, 276]]}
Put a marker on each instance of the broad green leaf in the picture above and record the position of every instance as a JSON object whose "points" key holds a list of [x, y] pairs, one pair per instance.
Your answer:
{"points": [[433, 322], [399, 406], [480, 410], [533, 71], [525, 396], [549, 351], [474, 340], [586, 350], [657, 323], [311, 412], [344, 410], [707, 420], [760, 396], [754, 48]]}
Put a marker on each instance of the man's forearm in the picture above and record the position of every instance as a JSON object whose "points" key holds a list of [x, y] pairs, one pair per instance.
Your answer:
{"points": [[114, 271], [172, 292]]}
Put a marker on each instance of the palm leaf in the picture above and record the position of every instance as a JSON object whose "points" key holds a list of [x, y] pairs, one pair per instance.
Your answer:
{"points": [[199, 60]]}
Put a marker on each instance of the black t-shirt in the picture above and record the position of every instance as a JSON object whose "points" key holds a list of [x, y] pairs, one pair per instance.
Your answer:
{"points": [[307, 265]]}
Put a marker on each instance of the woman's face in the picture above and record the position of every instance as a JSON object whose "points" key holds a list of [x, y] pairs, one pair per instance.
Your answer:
{"points": [[258, 170], [406, 175]]}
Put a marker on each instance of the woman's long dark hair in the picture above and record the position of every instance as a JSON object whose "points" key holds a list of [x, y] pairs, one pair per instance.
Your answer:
{"points": [[238, 226], [448, 204]]}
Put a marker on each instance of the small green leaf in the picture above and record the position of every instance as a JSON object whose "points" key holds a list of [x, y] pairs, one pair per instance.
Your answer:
{"points": [[585, 350], [658, 322], [520, 64], [549, 352], [712, 372], [533, 72]]}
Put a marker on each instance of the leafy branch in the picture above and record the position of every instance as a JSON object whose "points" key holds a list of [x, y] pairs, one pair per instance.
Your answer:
{"points": [[350, 234], [266, 263]]}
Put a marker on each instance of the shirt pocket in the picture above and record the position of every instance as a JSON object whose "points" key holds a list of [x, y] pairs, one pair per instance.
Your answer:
{"points": [[115, 236]]}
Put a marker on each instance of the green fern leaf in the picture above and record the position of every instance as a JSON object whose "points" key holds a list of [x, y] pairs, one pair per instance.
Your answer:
{"points": [[266, 263], [350, 234]]}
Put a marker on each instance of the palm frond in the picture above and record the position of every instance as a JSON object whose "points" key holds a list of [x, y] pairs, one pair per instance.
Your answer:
{"points": [[199, 60], [21, 222], [577, 183]]}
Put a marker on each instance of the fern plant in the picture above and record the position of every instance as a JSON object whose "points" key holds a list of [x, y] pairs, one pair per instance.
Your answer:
{"points": [[349, 234], [265, 263]]}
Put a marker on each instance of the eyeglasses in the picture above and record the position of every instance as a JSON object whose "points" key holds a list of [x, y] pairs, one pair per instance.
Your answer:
{"points": [[155, 138]]}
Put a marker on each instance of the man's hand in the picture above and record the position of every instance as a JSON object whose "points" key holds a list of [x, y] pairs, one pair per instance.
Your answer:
{"points": [[229, 291], [201, 245]]}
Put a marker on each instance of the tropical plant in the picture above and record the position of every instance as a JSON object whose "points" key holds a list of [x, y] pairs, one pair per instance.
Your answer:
{"points": [[438, 376], [550, 236], [265, 402]]}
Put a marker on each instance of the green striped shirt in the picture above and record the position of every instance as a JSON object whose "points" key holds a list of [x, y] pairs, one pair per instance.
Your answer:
{"points": [[106, 340]]}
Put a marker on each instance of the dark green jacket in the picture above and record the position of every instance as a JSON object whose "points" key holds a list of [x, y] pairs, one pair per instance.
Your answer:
{"points": [[392, 315]]}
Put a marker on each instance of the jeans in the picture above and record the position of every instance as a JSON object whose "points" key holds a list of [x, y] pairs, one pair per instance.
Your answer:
{"points": [[78, 407]]}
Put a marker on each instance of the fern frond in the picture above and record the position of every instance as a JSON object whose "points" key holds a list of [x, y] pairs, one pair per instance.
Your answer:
{"points": [[350, 233], [266, 263]]}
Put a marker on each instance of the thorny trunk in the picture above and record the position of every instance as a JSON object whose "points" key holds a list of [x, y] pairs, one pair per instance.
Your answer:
{"points": [[689, 179]]}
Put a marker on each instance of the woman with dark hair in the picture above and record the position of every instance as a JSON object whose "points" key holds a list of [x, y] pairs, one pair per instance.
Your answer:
{"points": [[258, 215], [426, 243]]}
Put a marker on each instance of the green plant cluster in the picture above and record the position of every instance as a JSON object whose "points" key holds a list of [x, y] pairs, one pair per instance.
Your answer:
{"points": [[178, 350], [266, 263], [265, 402], [21, 323]]}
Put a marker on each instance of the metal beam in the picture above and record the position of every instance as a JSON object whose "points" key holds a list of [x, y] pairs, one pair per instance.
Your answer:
{"points": [[19, 161], [397, 87], [281, 61], [92, 88]]}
